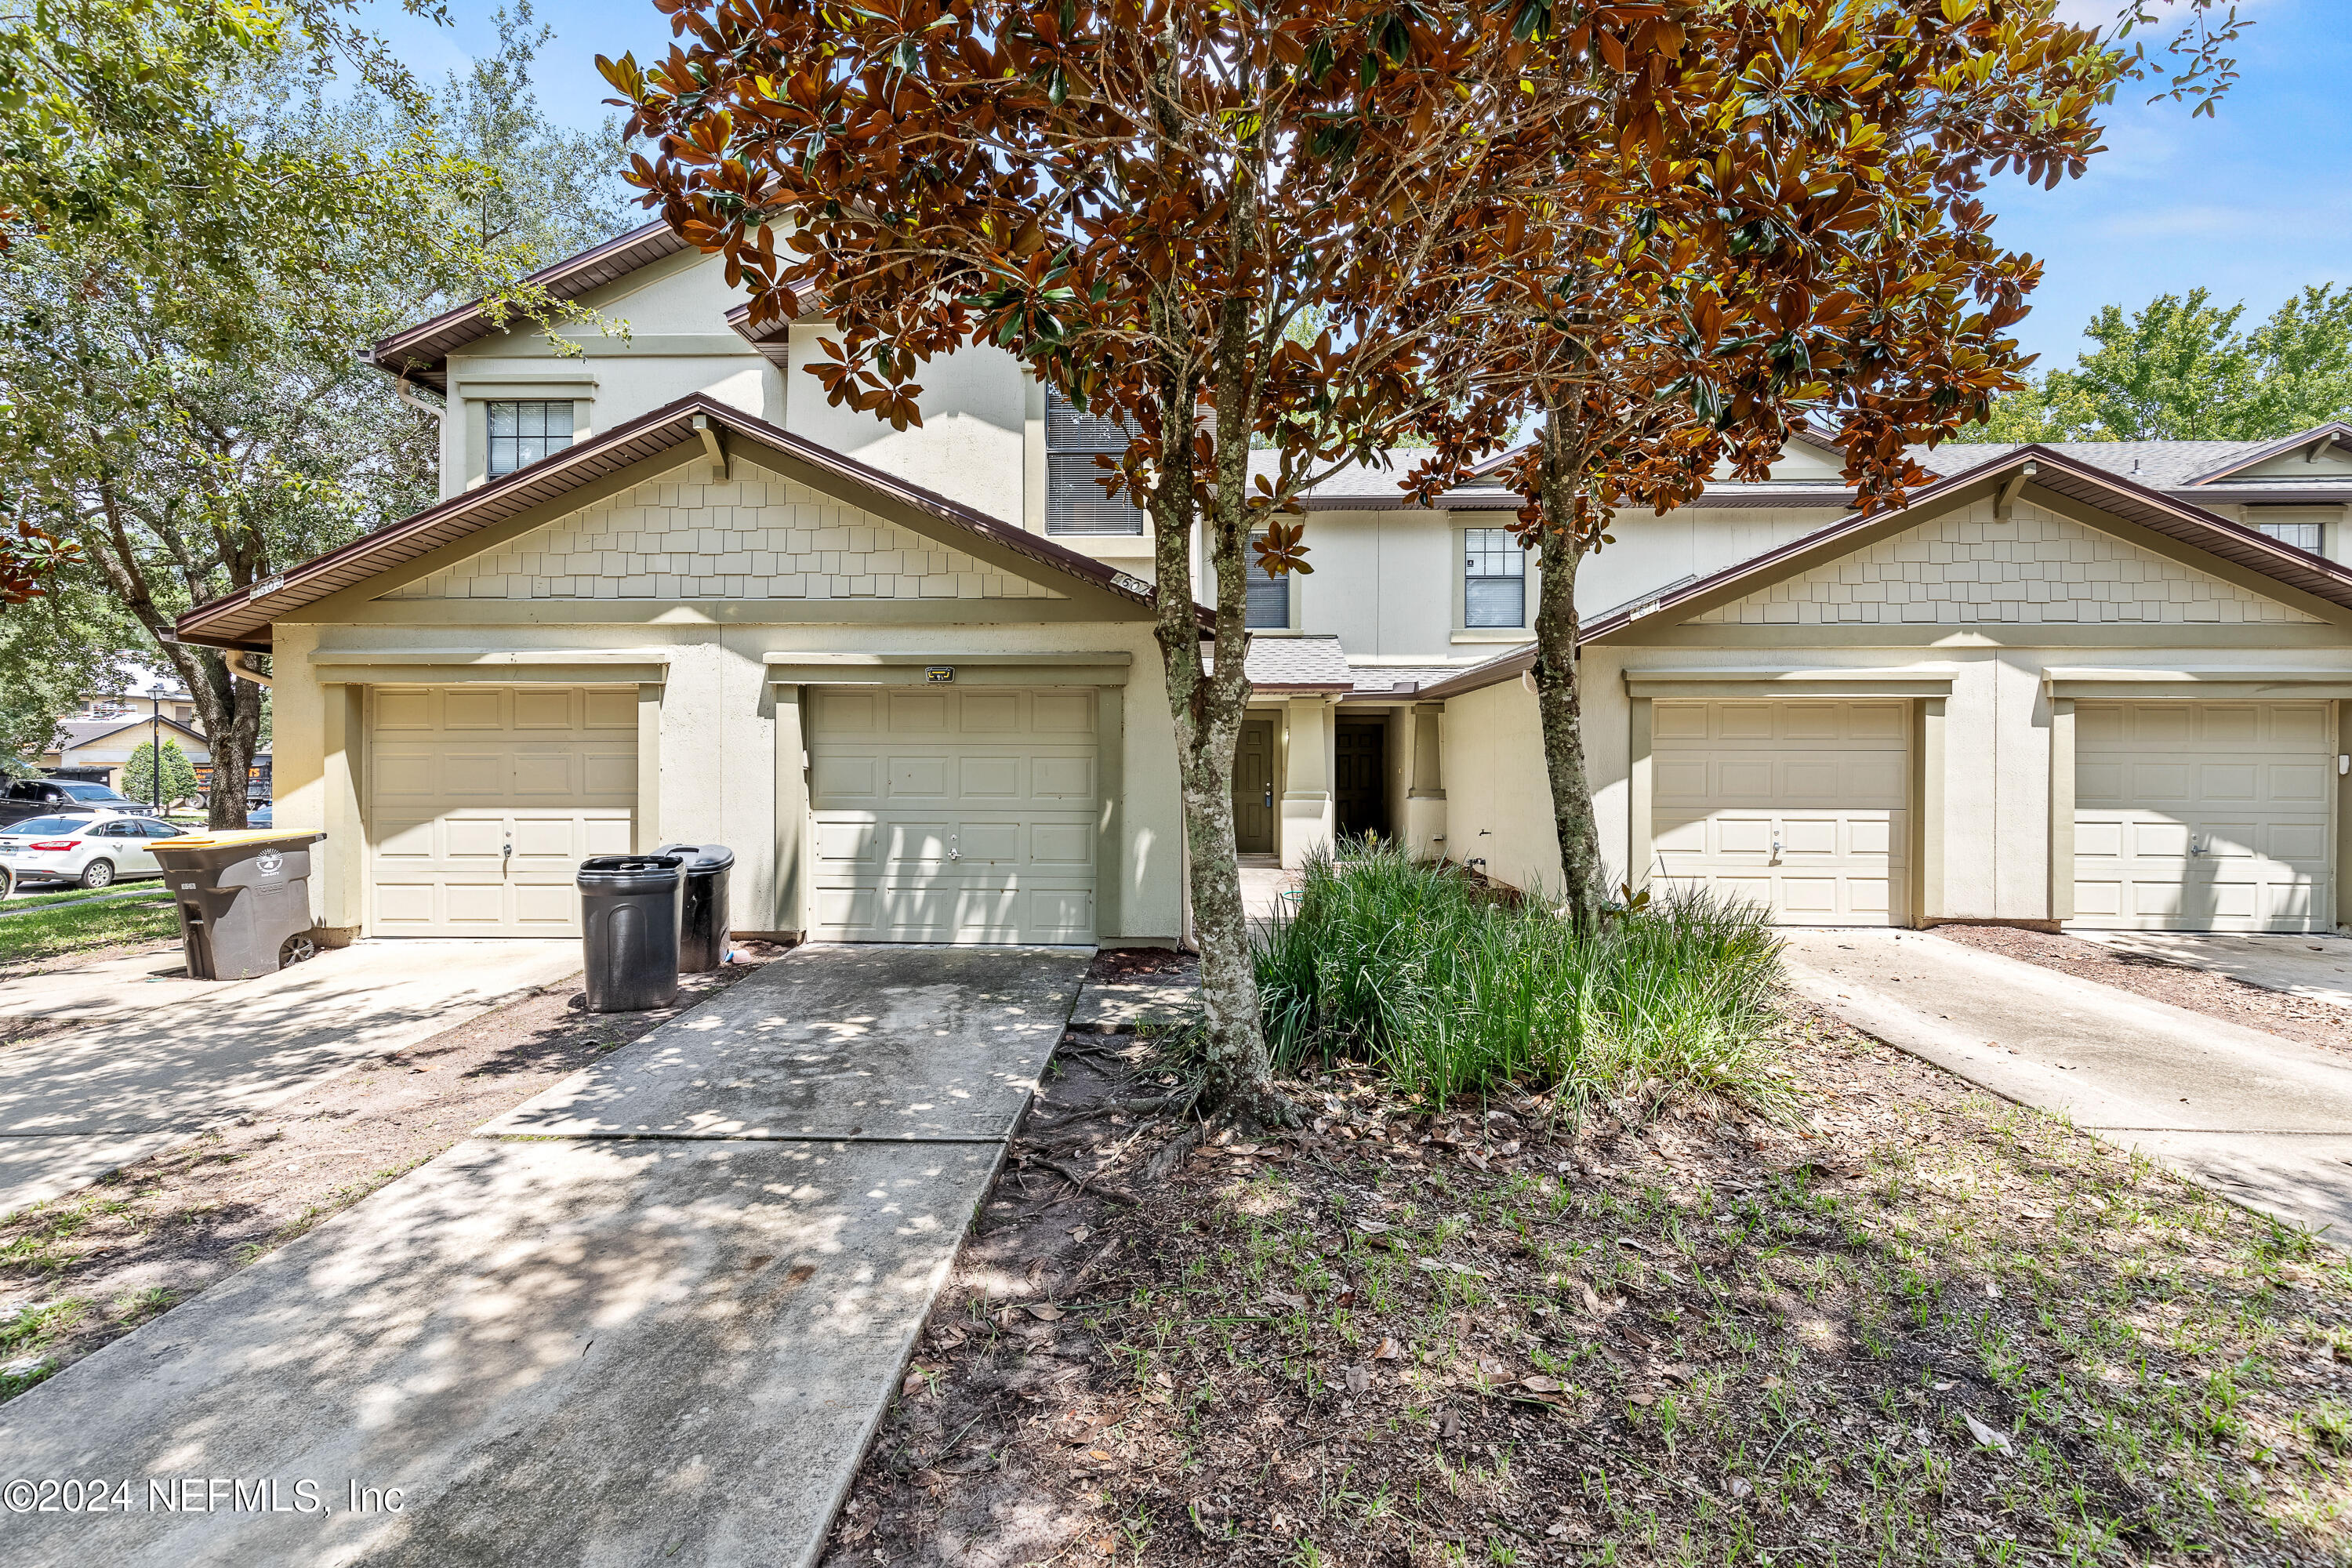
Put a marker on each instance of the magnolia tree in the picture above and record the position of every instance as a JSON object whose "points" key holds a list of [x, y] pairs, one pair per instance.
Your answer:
{"points": [[1142, 202], [1798, 238], [1643, 224]]}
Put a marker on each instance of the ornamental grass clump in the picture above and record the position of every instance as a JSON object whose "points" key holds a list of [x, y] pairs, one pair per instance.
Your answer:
{"points": [[1452, 987]]}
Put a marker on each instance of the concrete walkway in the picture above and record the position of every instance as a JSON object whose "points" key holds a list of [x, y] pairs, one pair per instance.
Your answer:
{"points": [[2318, 967], [166, 1057], [2263, 1120], [658, 1323]]}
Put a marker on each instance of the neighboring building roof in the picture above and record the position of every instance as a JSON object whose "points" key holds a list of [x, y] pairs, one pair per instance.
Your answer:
{"points": [[1299, 664], [2053, 469], [421, 353], [242, 619], [1389, 682], [79, 733]]}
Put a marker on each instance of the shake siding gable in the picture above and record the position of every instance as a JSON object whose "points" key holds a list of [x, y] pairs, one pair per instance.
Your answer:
{"points": [[754, 535], [2031, 568]]}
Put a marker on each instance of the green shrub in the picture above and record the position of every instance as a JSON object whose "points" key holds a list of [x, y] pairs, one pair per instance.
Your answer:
{"points": [[1450, 987]]}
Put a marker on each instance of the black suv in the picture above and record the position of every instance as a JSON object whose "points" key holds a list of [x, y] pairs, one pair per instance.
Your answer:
{"points": [[44, 797]]}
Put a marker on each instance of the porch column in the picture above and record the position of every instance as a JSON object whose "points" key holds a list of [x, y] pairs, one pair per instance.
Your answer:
{"points": [[1424, 802], [649, 822], [344, 885], [792, 849], [1641, 792], [2062, 809], [1307, 785]]}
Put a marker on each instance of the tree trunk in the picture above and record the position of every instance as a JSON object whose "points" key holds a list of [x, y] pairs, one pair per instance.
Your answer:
{"points": [[1559, 706]]}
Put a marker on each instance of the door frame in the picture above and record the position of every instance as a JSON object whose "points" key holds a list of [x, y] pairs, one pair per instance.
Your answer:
{"points": [[1927, 687], [2063, 688], [790, 674]]}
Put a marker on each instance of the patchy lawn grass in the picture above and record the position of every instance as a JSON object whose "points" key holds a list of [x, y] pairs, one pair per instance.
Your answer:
{"points": [[21, 900], [47, 934], [1925, 1326]]}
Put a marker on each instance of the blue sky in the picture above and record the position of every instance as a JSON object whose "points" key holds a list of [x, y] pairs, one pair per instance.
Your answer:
{"points": [[2251, 204]]}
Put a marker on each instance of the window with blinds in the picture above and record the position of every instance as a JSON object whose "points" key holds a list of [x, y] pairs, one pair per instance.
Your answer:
{"points": [[1269, 596], [1494, 579], [2306, 528], [1075, 499]]}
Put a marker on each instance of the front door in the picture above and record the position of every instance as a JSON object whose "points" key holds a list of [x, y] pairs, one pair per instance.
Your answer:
{"points": [[1253, 788], [1364, 800]]}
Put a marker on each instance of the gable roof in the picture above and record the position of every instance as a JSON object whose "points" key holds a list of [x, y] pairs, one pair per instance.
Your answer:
{"points": [[421, 353], [74, 733], [2059, 472], [2334, 432], [242, 619]]}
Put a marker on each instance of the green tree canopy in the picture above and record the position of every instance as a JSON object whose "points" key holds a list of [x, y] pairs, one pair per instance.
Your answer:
{"points": [[2179, 368]]}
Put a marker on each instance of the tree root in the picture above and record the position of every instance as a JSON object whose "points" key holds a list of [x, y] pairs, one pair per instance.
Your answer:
{"points": [[1171, 1155]]}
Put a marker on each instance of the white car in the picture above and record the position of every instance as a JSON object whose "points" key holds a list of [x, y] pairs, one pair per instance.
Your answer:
{"points": [[95, 849]]}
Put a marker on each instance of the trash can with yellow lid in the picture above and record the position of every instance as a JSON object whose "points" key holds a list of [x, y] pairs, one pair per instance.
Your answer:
{"points": [[244, 898]]}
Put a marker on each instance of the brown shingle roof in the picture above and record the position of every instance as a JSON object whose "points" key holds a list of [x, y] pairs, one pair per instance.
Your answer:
{"points": [[421, 353], [242, 619]]}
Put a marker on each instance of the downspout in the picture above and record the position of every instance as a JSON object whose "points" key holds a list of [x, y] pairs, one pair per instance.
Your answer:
{"points": [[237, 666], [400, 390]]}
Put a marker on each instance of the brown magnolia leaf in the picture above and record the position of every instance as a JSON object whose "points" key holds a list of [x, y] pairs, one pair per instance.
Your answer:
{"points": [[1539, 1383], [1046, 1312], [1389, 1350], [1645, 1400]]}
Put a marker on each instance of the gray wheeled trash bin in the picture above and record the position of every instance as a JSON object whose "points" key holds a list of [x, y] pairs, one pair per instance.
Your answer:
{"points": [[702, 934], [244, 900], [629, 907]]}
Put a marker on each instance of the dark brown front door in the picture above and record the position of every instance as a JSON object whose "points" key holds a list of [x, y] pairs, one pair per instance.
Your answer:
{"points": [[1362, 781], [1253, 788]]}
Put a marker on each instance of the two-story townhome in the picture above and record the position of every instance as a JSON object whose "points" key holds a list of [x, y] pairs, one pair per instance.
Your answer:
{"points": [[670, 593]]}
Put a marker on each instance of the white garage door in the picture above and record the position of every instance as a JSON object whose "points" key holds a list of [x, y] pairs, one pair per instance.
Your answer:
{"points": [[952, 816], [483, 800], [2203, 817], [1801, 807]]}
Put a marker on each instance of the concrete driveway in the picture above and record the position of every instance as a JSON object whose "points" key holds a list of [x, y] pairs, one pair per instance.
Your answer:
{"points": [[2265, 1121], [166, 1057], [655, 1322], [2319, 967]]}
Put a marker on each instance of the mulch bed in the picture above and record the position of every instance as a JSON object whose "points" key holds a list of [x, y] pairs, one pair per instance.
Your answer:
{"points": [[1115, 964], [2300, 1018], [1906, 1322], [82, 1269]]}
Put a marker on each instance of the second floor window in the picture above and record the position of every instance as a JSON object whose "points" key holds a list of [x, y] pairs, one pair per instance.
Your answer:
{"points": [[1494, 579], [523, 433], [1269, 596], [1076, 501], [2300, 529]]}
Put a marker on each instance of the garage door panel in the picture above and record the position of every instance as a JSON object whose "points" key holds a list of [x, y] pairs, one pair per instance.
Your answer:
{"points": [[986, 833], [988, 777], [1064, 779], [1800, 807], [465, 709], [990, 713], [547, 708], [460, 776], [2203, 816], [1064, 846], [847, 779], [918, 777]]}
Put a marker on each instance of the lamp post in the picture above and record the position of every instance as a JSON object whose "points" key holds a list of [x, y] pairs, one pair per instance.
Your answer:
{"points": [[155, 749]]}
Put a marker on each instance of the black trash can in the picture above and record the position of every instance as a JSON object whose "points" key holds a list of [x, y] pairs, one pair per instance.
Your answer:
{"points": [[629, 907], [702, 940], [244, 900]]}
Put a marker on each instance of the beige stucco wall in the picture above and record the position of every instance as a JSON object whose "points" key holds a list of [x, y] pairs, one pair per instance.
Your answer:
{"points": [[676, 341], [969, 446], [717, 776], [1497, 794]]}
